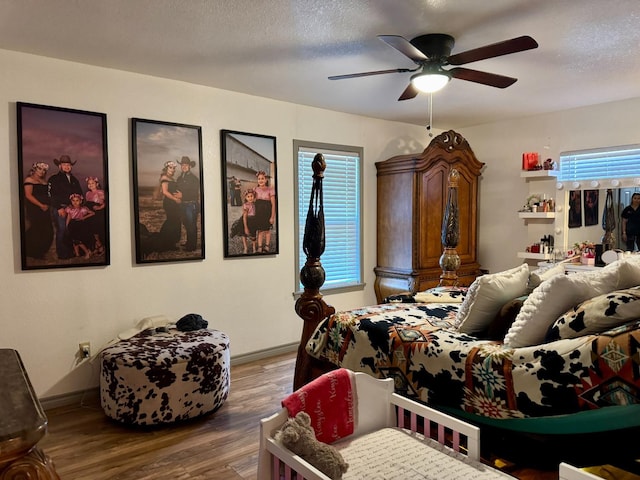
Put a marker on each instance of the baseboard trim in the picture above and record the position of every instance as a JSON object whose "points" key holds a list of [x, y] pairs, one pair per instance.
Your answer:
{"points": [[262, 354], [92, 395]]}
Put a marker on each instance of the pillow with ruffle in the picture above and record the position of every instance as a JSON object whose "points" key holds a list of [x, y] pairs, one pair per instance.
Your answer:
{"points": [[597, 315], [486, 296], [551, 299], [441, 295]]}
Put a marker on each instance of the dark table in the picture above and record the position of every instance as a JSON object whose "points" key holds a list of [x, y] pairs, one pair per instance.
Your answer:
{"points": [[22, 424]]}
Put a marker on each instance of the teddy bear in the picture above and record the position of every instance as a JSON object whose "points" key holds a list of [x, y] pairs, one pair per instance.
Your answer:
{"points": [[298, 436]]}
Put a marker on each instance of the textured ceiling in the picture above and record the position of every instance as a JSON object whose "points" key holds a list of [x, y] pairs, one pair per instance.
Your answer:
{"points": [[589, 50]]}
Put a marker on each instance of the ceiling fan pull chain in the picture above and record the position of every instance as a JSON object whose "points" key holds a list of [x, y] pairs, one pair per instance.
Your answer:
{"points": [[430, 126]]}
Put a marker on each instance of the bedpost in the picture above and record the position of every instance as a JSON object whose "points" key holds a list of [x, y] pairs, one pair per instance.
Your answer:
{"points": [[310, 306], [450, 261]]}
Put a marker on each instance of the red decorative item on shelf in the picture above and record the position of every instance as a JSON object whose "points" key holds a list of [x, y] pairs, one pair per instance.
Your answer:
{"points": [[531, 161]]}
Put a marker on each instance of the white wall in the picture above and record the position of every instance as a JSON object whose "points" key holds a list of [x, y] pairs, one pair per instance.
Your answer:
{"points": [[45, 314], [503, 192]]}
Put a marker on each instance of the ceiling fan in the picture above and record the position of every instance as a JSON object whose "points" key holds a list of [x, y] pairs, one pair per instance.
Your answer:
{"points": [[431, 52]]}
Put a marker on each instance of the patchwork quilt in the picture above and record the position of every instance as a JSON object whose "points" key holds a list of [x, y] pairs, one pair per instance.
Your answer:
{"points": [[429, 360]]}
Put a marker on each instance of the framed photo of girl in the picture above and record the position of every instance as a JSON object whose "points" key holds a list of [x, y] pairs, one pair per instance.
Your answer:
{"points": [[64, 200], [167, 191], [250, 199]]}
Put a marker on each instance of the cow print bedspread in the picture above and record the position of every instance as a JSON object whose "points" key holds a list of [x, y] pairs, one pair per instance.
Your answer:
{"points": [[431, 361]]}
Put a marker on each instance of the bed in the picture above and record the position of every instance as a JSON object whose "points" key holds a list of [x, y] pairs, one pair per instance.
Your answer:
{"points": [[561, 363], [431, 361]]}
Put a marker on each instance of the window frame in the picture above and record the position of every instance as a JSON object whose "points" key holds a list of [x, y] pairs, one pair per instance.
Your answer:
{"points": [[300, 258]]}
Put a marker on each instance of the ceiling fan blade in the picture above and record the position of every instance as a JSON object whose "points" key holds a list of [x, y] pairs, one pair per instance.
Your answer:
{"points": [[367, 74], [404, 46], [506, 47], [409, 93], [491, 79]]}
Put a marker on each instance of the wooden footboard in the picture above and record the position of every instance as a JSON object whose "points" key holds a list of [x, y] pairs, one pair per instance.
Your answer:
{"points": [[310, 306]]}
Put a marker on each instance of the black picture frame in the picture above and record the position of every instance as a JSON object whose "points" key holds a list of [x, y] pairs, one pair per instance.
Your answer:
{"points": [[168, 221], [591, 207], [575, 209], [59, 151], [244, 157]]}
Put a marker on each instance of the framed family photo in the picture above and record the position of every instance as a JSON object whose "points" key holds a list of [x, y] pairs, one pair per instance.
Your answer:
{"points": [[64, 200], [167, 191], [250, 199]]}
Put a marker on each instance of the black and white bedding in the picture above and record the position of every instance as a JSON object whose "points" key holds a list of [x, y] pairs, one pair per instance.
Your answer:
{"points": [[573, 346]]}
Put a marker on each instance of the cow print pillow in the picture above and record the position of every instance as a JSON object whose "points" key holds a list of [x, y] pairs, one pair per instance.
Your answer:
{"points": [[597, 315], [442, 295]]}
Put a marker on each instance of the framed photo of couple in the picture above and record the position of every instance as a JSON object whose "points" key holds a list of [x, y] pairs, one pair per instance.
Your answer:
{"points": [[64, 199], [250, 200], [167, 191]]}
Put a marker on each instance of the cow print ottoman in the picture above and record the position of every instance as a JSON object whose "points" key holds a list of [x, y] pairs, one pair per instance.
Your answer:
{"points": [[156, 378]]}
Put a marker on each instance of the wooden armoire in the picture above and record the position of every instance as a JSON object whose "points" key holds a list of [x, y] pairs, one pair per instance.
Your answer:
{"points": [[412, 195]]}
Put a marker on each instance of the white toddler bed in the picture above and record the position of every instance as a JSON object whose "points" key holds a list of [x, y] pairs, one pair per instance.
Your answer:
{"points": [[394, 438], [569, 472]]}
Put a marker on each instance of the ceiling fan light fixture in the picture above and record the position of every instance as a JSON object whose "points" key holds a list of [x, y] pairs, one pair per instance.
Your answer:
{"points": [[429, 82]]}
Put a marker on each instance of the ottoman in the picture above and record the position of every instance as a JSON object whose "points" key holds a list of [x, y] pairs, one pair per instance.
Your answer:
{"points": [[156, 378]]}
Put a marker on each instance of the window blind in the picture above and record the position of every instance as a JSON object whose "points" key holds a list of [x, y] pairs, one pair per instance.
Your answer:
{"points": [[341, 193], [600, 164]]}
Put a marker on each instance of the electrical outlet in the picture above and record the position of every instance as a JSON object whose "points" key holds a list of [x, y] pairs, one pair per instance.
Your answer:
{"points": [[85, 349]]}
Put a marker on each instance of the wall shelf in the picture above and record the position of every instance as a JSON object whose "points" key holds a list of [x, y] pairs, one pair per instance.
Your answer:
{"points": [[537, 214], [537, 220], [538, 174]]}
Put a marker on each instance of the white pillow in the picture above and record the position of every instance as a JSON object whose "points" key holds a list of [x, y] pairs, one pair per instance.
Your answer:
{"points": [[486, 296], [541, 274], [628, 271], [554, 297]]}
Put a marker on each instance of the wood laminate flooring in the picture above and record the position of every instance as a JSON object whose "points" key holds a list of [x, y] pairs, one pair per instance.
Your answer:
{"points": [[86, 445]]}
